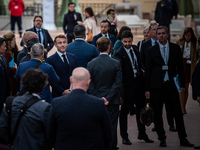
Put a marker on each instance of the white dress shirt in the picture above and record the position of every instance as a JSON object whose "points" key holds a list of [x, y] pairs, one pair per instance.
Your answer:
{"points": [[135, 58], [61, 57]]}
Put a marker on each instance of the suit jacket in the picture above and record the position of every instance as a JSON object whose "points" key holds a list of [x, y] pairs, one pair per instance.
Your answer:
{"points": [[145, 46], [46, 68], [26, 58], [111, 37], [106, 78], [194, 55], [154, 75], [5, 82], [70, 23], [21, 54], [83, 52], [31, 132], [196, 82], [163, 14], [80, 119], [48, 42], [127, 71], [62, 71]]}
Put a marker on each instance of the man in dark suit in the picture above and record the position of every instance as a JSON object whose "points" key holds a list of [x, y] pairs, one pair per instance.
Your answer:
{"points": [[104, 26], [112, 22], [164, 13], [83, 51], [144, 53], [5, 82], [63, 63], [29, 44], [43, 34], [105, 82], [71, 20], [37, 55], [26, 37], [79, 118], [133, 88], [163, 63]]}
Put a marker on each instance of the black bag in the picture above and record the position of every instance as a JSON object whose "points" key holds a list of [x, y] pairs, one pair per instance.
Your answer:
{"points": [[146, 115]]}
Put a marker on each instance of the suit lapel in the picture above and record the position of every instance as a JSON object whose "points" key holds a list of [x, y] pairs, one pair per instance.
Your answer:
{"points": [[159, 53], [44, 37], [60, 61], [126, 57], [170, 53]]}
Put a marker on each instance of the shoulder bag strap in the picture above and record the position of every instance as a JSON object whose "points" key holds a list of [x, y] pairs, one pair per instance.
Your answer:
{"points": [[38, 64]]}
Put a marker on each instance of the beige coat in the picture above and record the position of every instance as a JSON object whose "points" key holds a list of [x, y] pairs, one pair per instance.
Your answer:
{"points": [[90, 24], [194, 55]]}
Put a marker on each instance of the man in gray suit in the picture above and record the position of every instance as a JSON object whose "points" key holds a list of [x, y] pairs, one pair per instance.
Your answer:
{"points": [[105, 82], [31, 131]]}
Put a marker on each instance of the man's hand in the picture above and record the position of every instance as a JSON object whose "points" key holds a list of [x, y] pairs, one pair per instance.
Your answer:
{"points": [[121, 100], [105, 101], [147, 95], [46, 51], [198, 99], [67, 91]]}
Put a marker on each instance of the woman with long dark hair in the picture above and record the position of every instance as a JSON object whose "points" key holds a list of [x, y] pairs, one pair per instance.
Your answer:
{"points": [[11, 57], [90, 22], [190, 56]]}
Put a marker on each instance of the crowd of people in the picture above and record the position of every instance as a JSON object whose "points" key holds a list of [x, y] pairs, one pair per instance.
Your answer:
{"points": [[71, 99]]}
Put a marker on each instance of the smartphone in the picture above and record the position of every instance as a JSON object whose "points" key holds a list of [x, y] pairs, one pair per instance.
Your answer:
{"points": [[109, 16]]}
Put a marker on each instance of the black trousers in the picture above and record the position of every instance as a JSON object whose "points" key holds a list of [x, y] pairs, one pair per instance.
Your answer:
{"points": [[133, 94], [70, 38], [169, 96], [14, 19], [114, 113]]}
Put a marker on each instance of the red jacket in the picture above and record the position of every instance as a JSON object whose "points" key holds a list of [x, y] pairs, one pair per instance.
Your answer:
{"points": [[16, 7]]}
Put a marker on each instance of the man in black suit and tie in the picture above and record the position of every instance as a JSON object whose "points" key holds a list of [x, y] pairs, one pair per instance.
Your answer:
{"points": [[104, 26], [5, 82], [43, 34], [63, 63], [163, 63], [132, 77], [79, 121], [145, 47], [105, 82]]}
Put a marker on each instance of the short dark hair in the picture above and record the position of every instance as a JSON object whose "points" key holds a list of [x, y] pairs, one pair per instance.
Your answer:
{"points": [[126, 34], [103, 43], [34, 81], [124, 28], [2, 40], [59, 36], [105, 21], [38, 16], [162, 27], [79, 31], [31, 42], [71, 3], [109, 11]]}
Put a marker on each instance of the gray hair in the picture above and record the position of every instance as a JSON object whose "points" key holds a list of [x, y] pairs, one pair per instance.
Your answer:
{"points": [[37, 50], [147, 28], [79, 31]]}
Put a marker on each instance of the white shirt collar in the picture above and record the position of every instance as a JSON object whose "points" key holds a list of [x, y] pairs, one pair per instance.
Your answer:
{"points": [[128, 50], [60, 54], [166, 45], [105, 34], [80, 39], [38, 29], [103, 53]]}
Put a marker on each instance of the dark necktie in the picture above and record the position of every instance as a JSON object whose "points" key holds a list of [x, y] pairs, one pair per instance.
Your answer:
{"points": [[39, 37], [65, 60]]}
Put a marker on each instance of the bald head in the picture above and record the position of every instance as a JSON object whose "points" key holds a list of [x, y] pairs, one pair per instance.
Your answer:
{"points": [[80, 78], [29, 35]]}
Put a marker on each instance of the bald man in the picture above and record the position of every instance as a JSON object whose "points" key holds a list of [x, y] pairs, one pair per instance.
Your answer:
{"points": [[28, 35], [79, 118]]}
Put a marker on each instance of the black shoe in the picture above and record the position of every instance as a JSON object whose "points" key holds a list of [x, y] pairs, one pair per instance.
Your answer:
{"points": [[172, 128], [153, 129], [126, 141], [197, 147], [145, 138], [185, 142], [163, 143]]}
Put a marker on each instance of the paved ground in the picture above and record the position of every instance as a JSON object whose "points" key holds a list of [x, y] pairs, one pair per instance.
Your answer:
{"points": [[192, 119]]}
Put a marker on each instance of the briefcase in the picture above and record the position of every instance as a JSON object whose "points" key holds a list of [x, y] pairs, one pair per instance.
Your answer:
{"points": [[146, 115]]}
